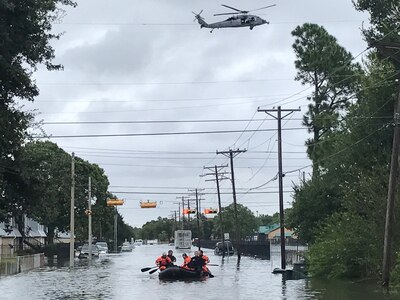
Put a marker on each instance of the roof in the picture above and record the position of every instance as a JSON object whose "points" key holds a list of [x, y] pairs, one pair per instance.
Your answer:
{"points": [[267, 228]]}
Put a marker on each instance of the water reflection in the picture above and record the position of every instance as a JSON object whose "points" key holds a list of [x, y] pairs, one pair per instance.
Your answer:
{"points": [[118, 276]]}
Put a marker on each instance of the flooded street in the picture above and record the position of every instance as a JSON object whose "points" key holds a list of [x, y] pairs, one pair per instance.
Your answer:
{"points": [[118, 276]]}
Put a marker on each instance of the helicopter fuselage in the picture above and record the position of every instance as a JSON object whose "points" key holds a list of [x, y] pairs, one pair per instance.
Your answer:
{"points": [[239, 21], [235, 21]]}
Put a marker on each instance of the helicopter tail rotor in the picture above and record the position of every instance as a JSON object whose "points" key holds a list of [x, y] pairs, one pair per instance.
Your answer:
{"points": [[200, 19], [197, 15]]}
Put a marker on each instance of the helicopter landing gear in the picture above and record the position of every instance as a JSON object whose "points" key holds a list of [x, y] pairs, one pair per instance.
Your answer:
{"points": [[212, 30]]}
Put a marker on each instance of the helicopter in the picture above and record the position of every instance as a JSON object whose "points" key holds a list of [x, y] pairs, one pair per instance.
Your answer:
{"points": [[241, 18]]}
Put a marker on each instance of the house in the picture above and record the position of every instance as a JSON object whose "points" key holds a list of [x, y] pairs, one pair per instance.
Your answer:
{"points": [[273, 232], [35, 235], [11, 238]]}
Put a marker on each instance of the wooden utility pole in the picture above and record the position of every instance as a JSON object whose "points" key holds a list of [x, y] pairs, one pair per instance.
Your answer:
{"points": [[280, 173], [391, 50], [231, 154], [116, 230], [72, 214], [216, 173], [179, 215], [89, 213], [197, 195], [391, 198], [198, 218]]}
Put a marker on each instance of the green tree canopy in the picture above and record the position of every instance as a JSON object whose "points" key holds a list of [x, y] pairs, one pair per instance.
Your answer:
{"points": [[328, 68], [246, 221], [25, 36]]}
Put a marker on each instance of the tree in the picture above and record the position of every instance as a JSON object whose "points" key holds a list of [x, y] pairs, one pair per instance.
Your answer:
{"points": [[45, 171], [343, 208], [383, 35], [158, 229], [246, 219], [25, 36], [328, 68]]}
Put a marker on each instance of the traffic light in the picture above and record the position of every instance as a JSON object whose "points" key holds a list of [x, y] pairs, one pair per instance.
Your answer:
{"points": [[210, 211], [189, 211], [114, 202], [148, 204]]}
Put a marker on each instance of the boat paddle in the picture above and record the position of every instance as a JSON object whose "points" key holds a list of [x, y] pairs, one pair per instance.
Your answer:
{"points": [[146, 269], [152, 271]]}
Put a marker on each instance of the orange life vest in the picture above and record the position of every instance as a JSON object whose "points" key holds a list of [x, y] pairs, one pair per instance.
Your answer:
{"points": [[186, 260], [163, 262]]}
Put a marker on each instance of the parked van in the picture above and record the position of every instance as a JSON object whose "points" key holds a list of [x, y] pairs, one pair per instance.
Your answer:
{"points": [[227, 248]]}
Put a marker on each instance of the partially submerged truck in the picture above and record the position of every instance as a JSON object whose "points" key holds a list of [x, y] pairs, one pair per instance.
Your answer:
{"points": [[183, 239]]}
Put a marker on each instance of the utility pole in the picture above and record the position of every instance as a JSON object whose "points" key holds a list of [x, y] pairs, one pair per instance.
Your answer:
{"points": [[115, 203], [197, 199], [183, 212], [179, 215], [89, 212], [217, 172], [116, 231], [391, 50], [231, 154], [72, 214], [198, 219], [280, 173], [188, 216], [391, 198]]}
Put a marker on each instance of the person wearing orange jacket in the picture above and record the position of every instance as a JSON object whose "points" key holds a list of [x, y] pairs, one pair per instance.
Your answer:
{"points": [[163, 261], [186, 260], [206, 261]]}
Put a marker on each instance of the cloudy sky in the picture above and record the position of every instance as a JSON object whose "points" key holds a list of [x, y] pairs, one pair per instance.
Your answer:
{"points": [[141, 68]]}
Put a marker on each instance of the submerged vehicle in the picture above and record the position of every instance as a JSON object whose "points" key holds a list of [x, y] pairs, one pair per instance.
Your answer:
{"points": [[138, 242], [183, 239], [84, 252], [103, 247], [127, 247], [178, 273], [226, 248]]}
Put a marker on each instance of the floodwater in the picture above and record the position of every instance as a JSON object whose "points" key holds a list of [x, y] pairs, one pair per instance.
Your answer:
{"points": [[118, 276]]}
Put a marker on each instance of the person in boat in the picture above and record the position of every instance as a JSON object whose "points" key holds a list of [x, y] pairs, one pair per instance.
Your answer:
{"points": [[206, 261], [163, 261], [186, 261], [171, 256], [196, 262]]}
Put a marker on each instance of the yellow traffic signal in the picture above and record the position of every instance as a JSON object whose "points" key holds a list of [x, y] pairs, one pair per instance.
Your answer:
{"points": [[114, 202], [148, 204]]}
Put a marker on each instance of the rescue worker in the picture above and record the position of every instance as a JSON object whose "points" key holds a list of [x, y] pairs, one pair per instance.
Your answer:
{"points": [[186, 261], [171, 256], [196, 262], [163, 261], [206, 261]]}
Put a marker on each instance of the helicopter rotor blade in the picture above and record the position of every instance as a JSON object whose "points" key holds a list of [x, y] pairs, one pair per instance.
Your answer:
{"points": [[223, 14], [198, 13], [263, 7], [238, 10]]}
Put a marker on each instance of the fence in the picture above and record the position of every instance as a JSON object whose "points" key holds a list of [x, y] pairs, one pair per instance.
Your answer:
{"points": [[17, 264], [259, 249]]}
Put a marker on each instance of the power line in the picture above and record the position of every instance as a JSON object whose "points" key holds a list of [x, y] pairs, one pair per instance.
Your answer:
{"points": [[156, 133]]}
